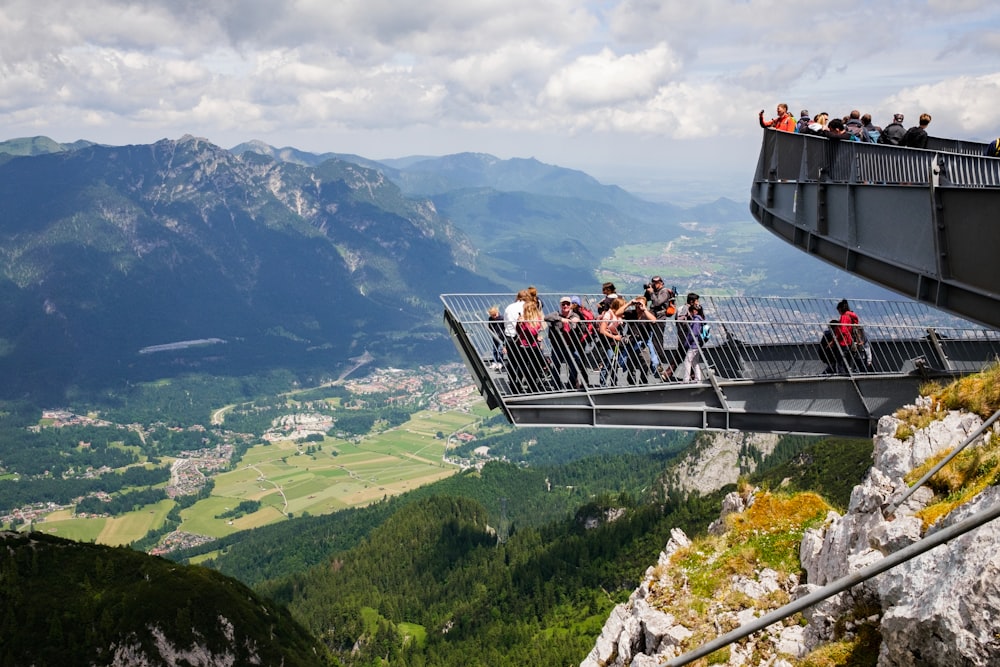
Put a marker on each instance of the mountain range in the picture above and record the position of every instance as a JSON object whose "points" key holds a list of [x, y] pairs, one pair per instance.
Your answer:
{"points": [[126, 264]]}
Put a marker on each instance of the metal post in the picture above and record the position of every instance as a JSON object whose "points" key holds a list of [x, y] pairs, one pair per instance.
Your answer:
{"points": [[840, 585], [939, 349]]}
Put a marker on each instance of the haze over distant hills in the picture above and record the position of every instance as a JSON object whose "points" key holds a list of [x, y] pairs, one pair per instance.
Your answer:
{"points": [[297, 261]]}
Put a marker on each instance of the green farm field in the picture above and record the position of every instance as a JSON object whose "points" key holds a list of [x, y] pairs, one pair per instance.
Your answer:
{"points": [[114, 531], [293, 478]]}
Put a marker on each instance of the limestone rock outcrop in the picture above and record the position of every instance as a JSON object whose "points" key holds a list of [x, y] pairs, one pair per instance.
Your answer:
{"points": [[938, 609], [719, 459]]}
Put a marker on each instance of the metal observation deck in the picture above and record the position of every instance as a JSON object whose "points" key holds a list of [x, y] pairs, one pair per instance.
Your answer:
{"points": [[761, 368], [923, 223]]}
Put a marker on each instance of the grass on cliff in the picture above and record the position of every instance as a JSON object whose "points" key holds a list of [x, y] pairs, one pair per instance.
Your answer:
{"points": [[977, 466], [698, 584], [963, 478]]}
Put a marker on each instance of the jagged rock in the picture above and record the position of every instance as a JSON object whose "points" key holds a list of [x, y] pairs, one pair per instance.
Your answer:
{"points": [[678, 540], [942, 606], [937, 609], [791, 641], [733, 503], [606, 647], [894, 458]]}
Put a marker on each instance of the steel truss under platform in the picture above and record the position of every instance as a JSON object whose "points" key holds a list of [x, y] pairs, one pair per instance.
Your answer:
{"points": [[761, 370]]}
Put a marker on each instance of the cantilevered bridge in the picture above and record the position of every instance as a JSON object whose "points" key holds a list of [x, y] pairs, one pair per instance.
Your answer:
{"points": [[919, 222], [761, 370], [923, 223]]}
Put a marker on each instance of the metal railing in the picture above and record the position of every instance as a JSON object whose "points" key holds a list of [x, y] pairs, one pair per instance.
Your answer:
{"points": [[752, 340], [787, 156]]}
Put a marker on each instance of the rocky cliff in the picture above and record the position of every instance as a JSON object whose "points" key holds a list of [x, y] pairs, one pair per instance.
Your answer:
{"points": [[718, 459], [936, 609]]}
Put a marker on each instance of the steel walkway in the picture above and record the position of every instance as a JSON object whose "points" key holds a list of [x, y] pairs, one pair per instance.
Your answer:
{"points": [[923, 223], [761, 369]]}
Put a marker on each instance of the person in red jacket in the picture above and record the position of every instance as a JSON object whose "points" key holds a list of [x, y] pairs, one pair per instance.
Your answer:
{"points": [[784, 120]]}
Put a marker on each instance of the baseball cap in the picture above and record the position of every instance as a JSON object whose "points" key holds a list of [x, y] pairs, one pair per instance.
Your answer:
{"points": [[565, 299], [575, 300], [656, 279]]}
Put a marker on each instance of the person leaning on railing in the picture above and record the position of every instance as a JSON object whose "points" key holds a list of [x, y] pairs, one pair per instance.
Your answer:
{"points": [[532, 360], [784, 121], [611, 333], [851, 338], [563, 337]]}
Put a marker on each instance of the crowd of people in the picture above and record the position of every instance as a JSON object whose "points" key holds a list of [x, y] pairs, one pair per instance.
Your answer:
{"points": [[623, 339], [854, 126]]}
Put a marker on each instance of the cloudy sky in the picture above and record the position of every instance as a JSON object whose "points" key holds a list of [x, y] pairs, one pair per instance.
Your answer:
{"points": [[662, 89]]}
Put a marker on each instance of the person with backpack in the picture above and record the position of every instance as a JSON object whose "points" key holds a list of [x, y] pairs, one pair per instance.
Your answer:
{"points": [[802, 126], [689, 338], [856, 128], [893, 133], [531, 360], [851, 337], [916, 136], [873, 131]]}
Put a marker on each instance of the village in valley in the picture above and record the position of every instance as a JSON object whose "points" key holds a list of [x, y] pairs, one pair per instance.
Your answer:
{"points": [[300, 464]]}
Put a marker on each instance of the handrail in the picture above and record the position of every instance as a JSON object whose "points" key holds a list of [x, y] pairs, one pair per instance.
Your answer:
{"points": [[786, 156], [753, 340]]}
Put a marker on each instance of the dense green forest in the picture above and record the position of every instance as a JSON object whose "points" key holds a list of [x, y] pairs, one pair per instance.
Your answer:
{"points": [[529, 496], [67, 603], [539, 598], [423, 579]]}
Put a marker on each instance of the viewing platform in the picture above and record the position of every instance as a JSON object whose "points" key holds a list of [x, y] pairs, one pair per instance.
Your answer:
{"points": [[761, 368], [924, 223]]}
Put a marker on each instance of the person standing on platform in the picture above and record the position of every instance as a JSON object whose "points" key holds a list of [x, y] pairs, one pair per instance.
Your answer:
{"points": [[564, 339], [689, 338], [784, 121], [661, 302]]}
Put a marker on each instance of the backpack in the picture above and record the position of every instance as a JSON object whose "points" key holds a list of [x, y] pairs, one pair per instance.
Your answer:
{"points": [[706, 332], [858, 336], [857, 132], [993, 148], [825, 348], [874, 134]]}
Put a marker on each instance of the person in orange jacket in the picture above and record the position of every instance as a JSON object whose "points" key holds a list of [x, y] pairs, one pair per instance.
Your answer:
{"points": [[784, 120]]}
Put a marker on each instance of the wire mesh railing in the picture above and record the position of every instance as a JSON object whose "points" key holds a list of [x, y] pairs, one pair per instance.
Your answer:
{"points": [[752, 339]]}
